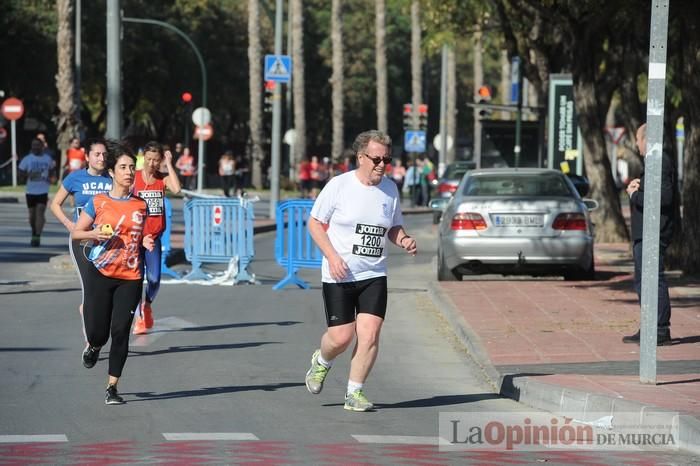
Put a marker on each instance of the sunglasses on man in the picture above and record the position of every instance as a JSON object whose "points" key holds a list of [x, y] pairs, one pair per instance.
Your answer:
{"points": [[377, 160]]}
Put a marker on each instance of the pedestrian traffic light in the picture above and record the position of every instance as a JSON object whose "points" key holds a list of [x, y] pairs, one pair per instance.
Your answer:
{"points": [[269, 95], [484, 97], [407, 110], [423, 117], [186, 97]]}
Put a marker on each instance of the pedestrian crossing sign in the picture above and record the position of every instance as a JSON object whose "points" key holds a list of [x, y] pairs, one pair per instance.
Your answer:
{"points": [[278, 68], [414, 141]]}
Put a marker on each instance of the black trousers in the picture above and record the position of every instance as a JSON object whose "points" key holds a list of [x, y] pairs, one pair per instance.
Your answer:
{"points": [[664, 310], [108, 308]]}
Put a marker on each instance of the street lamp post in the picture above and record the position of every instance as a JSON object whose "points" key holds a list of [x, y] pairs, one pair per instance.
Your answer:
{"points": [[203, 70]]}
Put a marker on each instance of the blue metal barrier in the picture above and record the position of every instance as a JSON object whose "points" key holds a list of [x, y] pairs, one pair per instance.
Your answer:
{"points": [[296, 249], [165, 246], [217, 230]]}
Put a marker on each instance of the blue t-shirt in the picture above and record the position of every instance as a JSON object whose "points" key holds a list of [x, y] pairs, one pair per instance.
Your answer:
{"points": [[82, 185], [38, 168]]}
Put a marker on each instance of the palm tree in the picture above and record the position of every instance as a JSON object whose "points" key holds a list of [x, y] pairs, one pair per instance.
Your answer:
{"points": [[338, 140], [416, 62], [451, 102], [255, 91], [380, 64], [297, 12], [66, 121]]}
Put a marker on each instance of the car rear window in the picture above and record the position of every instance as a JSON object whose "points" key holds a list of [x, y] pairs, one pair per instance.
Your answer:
{"points": [[454, 173], [518, 185]]}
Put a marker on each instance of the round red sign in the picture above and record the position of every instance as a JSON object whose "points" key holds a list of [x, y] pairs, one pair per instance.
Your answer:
{"points": [[12, 109], [217, 215]]}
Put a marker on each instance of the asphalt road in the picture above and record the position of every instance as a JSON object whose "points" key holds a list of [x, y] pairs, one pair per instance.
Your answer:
{"points": [[220, 380]]}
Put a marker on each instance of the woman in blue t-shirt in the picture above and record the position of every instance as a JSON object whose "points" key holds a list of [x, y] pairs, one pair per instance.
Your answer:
{"points": [[82, 185]]}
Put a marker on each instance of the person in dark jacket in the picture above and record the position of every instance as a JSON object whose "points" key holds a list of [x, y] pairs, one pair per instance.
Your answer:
{"points": [[635, 189]]}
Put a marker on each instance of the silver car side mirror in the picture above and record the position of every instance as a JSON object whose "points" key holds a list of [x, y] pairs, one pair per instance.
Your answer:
{"points": [[438, 204], [591, 204]]}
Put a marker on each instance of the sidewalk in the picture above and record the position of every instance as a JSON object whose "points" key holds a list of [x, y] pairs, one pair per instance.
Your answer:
{"points": [[557, 345]]}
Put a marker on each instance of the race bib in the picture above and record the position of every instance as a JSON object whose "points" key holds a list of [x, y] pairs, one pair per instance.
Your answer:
{"points": [[154, 200], [369, 240]]}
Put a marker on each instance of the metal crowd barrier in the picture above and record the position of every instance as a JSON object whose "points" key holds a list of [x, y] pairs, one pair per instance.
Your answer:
{"points": [[296, 249], [165, 246], [218, 231]]}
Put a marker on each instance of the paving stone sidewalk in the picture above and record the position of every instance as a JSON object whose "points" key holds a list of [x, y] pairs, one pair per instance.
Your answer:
{"points": [[557, 345]]}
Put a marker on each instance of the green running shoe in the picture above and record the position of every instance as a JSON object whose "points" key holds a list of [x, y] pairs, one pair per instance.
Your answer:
{"points": [[357, 401], [316, 374]]}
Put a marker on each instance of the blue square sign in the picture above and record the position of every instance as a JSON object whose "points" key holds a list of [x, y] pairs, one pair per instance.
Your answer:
{"points": [[278, 68], [414, 141]]}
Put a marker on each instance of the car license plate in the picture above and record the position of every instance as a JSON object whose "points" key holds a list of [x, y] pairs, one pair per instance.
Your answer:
{"points": [[518, 220]]}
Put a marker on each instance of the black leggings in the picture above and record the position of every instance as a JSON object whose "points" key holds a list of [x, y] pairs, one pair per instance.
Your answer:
{"points": [[108, 305]]}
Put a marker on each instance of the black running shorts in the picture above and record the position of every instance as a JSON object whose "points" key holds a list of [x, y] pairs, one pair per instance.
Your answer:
{"points": [[343, 301], [34, 200]]}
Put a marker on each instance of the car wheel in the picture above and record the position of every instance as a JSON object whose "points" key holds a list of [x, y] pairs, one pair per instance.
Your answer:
{"points": [[444, 274], [436, 217], [579, 274]]}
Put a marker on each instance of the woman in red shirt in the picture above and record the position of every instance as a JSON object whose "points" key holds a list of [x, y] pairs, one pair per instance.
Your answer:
{"points": [[116, 221], [150, 185]]}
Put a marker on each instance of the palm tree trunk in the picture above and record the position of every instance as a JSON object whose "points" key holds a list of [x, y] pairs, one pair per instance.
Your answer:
{"points": [[255, 90], [451, 101], [66, 122], [380, 65], [298, 80], [416, 63], [338, 139]]}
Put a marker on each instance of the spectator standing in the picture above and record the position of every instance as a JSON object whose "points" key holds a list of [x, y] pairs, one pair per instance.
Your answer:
{"points": [[38, 167], [75, 158], [398, 174], [305, 178], [635, 190], [188, 169], [227, 168], [241, 174]]}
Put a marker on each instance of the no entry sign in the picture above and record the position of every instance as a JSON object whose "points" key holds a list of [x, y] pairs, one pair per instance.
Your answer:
{"points": [[12, 109], [217, 215]]}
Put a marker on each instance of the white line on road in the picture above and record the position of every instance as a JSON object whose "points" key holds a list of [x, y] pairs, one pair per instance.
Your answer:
{"points": [[183, 436], [33, 438], [402, 439], [160, 328]]}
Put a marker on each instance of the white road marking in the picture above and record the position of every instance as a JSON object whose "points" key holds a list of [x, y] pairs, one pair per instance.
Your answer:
{"points": [[33, 438], [160, 327], [401, 439], [184, 436]]}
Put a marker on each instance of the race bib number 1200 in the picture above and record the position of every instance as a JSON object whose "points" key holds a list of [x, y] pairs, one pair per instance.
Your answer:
{"points": [[371, 240]]}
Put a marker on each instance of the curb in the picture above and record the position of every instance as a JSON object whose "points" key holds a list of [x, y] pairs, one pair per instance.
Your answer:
{"points": [[562, 401]]}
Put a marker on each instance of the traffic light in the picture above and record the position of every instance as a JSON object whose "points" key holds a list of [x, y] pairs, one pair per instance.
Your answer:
{"points": [[186, 97], [407, 110], [269, 95], [423, 117], [484, 97]]}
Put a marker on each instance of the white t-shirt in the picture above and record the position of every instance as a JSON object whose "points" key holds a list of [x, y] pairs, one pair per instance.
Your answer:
{"points": [[359, 218]]}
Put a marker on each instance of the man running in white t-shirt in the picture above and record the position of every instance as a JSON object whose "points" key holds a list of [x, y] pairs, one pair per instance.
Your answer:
{"points": [[352, 218]]}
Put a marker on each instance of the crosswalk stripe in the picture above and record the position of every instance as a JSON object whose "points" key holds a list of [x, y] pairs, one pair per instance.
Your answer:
{"points": [[184, 436], [401, 439], [33, 438]]}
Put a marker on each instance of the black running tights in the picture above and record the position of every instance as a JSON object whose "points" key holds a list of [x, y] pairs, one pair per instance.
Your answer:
{"points": [[108, 307]]}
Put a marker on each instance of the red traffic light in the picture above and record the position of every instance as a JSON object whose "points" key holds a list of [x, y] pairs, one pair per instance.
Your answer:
{"points": [[484, 92], [186, 97], [407, 109], [270, 85], [423, 109]]}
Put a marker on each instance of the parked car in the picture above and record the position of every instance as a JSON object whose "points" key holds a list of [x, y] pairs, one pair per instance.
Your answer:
{"points": [[515, 221], [449, 181]]}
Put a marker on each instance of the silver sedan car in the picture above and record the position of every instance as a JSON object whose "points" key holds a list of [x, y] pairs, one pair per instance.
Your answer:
{"points": [[515, 221]]}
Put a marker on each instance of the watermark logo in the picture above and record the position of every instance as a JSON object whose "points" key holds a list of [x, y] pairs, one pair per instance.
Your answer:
{"points": [[530, 431]]}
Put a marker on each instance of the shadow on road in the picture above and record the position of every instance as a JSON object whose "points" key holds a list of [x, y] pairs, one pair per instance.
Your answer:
{"points": [[442, 400], [150, 396], [187, 349], [207, 328]]}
